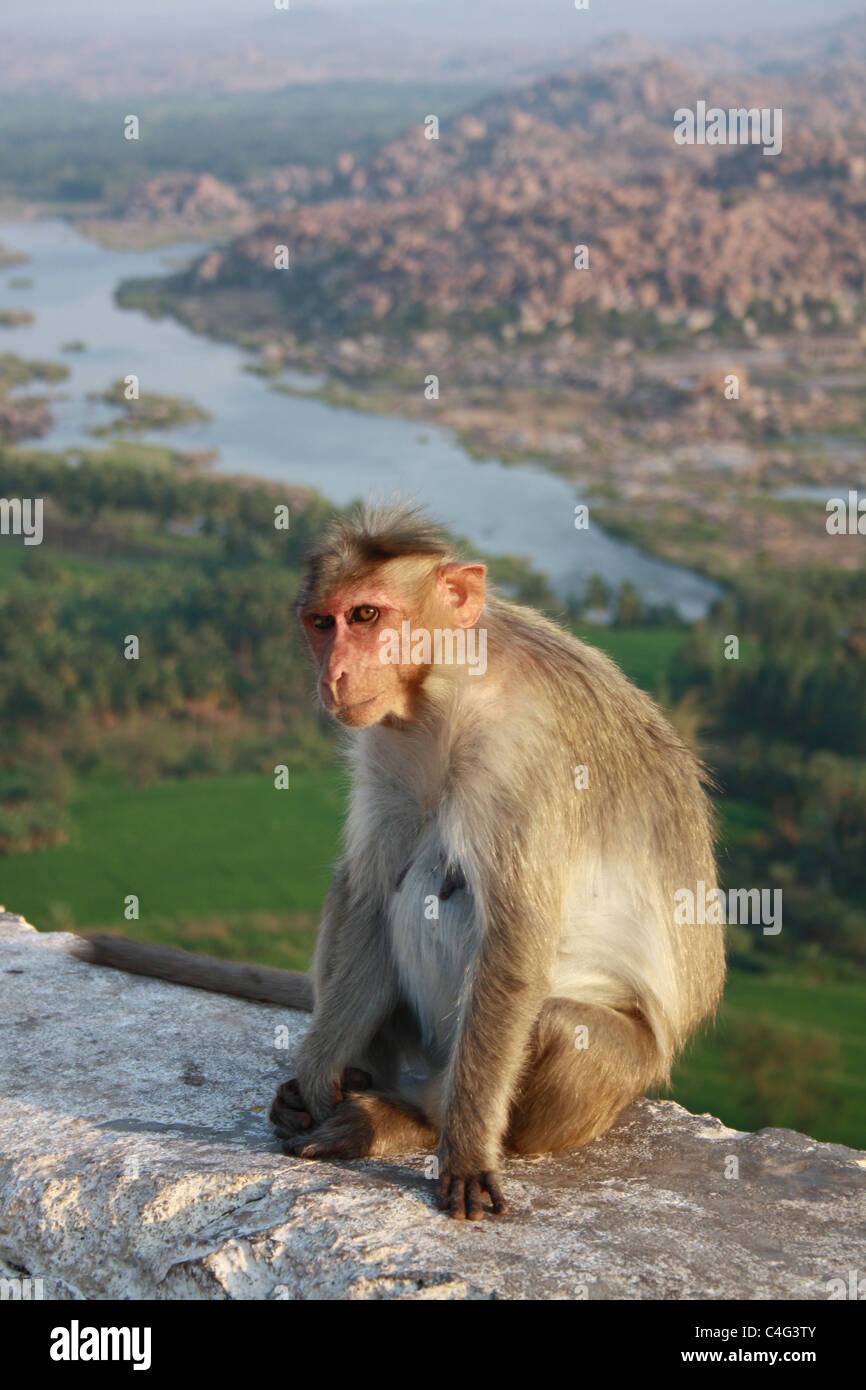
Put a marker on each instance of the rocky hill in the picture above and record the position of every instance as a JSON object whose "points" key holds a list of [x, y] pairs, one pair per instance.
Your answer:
{"points": [[487, 216]]}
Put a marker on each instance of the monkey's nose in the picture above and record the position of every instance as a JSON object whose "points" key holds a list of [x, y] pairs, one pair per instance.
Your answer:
{"points": [[328, 695]]}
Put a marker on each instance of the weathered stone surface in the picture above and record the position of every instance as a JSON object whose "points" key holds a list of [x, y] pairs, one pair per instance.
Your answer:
{"points": [[136, 1162]]}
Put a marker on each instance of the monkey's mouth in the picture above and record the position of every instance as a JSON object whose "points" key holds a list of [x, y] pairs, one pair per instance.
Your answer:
{"points": [[350, 709]]}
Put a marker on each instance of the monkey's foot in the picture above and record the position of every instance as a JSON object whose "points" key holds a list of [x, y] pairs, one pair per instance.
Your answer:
{"points": [[349, 1132], [289, 1115], [366, 1124], [461, 1197]]}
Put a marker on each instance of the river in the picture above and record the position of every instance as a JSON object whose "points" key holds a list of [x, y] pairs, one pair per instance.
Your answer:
{"points": [[505, 509]]}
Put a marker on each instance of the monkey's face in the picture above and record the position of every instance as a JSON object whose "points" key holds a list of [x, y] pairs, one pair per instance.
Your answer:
{"points": [[361, 638], [349, 637]]}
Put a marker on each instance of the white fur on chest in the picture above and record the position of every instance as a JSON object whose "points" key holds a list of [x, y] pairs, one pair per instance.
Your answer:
{"points": [[401, 823], [434, 940]]}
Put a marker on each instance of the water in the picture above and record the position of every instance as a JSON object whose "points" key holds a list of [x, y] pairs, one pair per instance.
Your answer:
{"points": [[817, 492], [514, 509]]}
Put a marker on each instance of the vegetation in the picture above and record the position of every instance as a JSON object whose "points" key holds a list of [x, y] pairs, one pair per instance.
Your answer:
{"points": [[785, 730], [196, 570], [789, 1049], [193, 849], [61, 151], [147, 412], [17, 371]]}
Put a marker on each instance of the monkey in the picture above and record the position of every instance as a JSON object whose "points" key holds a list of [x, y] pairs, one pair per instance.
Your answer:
{"points": [[499, 968]]}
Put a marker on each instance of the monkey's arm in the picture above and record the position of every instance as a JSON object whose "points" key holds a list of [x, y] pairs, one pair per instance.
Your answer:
{"points": [[501, 1002], [356, 990]]}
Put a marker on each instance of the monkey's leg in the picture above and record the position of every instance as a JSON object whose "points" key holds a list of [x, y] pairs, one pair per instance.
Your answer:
{"points": [[366, 1124], [569, 1092]]}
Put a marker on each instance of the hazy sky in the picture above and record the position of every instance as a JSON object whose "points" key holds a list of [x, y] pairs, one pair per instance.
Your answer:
{"points": [[494, 19]]}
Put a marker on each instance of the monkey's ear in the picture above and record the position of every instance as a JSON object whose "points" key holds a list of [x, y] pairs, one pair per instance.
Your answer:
{"points": [[462, 589]]}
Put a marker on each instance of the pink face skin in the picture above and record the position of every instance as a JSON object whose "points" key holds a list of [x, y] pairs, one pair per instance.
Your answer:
{"points": [[355, 685]]}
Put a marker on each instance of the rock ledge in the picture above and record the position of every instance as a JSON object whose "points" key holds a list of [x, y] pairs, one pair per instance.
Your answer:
{"points": [[136, 1162]]}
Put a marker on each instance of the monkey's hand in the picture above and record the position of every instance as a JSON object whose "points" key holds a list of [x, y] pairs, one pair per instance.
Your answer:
{"points": [[459, 1193], [289, 1114]]}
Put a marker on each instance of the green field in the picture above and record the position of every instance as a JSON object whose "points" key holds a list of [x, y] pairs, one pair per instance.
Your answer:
{"points": [[705, 1081], [224, 864], [647, 654]]}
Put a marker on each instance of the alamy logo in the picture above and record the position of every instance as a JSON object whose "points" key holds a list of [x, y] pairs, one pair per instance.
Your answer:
{"points": [[22, 517], [441, 647], [739, 125], [854, 1289], [846, 516], [17, 1289], [77, 1343], [742, 906]]}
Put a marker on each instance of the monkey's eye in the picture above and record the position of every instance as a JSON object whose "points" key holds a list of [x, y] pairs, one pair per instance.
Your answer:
{"points": [[322, 621], [364, 613]]}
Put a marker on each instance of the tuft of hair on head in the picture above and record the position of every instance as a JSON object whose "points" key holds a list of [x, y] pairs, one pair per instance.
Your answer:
{"points": [[371, 536]]}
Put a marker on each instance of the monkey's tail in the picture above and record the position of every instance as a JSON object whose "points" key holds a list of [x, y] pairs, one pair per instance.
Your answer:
{"points": [[290, 988]]}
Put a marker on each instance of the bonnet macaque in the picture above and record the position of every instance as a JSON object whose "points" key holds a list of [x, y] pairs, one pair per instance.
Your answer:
{"points": [[499, 968]]}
